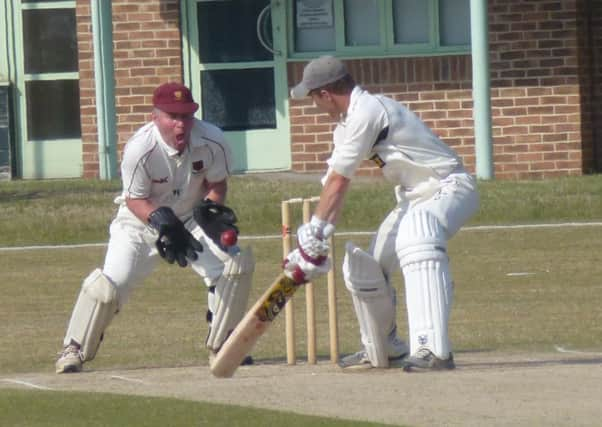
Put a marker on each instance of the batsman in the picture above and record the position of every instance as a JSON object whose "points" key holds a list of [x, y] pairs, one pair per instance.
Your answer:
{"points": [[174, 174], [435, 197]]}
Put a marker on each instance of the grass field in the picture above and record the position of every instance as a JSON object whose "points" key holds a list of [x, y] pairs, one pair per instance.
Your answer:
{"points": [[76, 211], [20, 408], [524, 289]]}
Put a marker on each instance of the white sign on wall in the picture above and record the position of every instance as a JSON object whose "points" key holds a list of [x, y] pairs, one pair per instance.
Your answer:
{"points": [[314, 13]]}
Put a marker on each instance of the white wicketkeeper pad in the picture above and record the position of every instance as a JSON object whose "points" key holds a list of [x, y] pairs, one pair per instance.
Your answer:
{"points": [[228, 301], [94, 309], [422, 252], [374, 302]]}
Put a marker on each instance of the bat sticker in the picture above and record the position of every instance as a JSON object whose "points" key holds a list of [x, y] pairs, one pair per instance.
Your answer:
{"points": [[274, 303]]}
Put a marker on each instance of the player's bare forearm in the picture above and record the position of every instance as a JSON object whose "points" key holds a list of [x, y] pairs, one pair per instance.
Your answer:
{"points": [[217, 191], [142, 208], [332, 197]]}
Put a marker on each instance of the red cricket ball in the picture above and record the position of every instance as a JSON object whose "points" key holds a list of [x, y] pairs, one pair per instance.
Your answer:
{"points": [[228, 238]]}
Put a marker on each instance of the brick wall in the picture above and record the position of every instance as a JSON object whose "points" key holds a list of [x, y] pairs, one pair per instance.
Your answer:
{"points": [[544, 125], [147, 52], [436, 88], [536, 95], [593, 23], [87, 94]]}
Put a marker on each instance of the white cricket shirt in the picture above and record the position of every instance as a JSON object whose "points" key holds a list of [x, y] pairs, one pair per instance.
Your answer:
{"points": [[153, 170], [381, 129]]}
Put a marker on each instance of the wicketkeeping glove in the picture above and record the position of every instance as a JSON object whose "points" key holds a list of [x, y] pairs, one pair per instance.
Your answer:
{"points": [[175, 243], [217, 221]]}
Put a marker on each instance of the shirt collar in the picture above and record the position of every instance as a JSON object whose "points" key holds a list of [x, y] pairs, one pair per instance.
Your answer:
{"points": [[171, 152], [355, 94]]}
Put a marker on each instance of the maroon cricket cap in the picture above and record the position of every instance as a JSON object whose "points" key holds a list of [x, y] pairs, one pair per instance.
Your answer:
{"points": [[174, 98]]}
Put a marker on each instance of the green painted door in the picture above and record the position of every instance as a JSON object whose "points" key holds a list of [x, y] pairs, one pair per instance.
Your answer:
{"points": [[235, 64], [45, 79]]}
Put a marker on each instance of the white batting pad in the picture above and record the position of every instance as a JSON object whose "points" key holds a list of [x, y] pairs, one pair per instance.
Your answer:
{"points": [[228, 301], [94, 309], [374, 302], [422, 252]]}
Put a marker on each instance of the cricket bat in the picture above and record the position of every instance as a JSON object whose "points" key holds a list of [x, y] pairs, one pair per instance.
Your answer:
{"points": [[252, 327]]}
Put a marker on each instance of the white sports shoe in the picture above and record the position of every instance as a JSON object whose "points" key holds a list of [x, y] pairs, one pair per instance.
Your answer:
{"points": [[397, 350], [358, 360], [425, 360], [70, 359]]}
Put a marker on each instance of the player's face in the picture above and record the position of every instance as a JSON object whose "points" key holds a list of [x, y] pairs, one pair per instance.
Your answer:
{"points": [[325, 102], [174, 128]]}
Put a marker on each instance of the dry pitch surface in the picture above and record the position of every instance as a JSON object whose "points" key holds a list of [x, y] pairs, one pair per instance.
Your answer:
{"points": [[487, 389]]}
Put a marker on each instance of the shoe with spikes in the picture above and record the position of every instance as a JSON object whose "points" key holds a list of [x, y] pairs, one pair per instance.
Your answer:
{"points": [[360, 360], [70, 359], [425, 360]]}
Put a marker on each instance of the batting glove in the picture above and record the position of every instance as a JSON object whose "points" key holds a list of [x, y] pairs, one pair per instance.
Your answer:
{"points": [[312, 239], [302, 270]]}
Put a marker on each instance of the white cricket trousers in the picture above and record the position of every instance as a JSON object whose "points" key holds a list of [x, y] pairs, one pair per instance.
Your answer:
{"points": [[132, 256], [414, 237]]}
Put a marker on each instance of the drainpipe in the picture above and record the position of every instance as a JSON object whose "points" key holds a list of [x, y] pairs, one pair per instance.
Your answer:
{"points": [[481, 89], [102, 34]]}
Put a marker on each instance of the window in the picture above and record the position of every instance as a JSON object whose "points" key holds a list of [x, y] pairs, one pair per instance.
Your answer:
{"points": [[379, 27], [223, 105], [219, 46], [411, 22], [49, 40], [52, 109], [454, 22], [361, 21], [50, 65]]}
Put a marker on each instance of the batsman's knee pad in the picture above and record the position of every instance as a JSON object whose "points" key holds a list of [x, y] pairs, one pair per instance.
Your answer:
{"points": [[420, 236], [373, 300], [422, 253], [228, 297], [94, 309]]}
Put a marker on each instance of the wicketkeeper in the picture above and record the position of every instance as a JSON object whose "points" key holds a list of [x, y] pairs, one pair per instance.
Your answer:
{"points": [[174, 172], [435, 197]]}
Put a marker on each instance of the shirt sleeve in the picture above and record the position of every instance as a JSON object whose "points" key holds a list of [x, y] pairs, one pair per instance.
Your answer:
{"points": [[354, 139], [136, 180], [221, 166]]}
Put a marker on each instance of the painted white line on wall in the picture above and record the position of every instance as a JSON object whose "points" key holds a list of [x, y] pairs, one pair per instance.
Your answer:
{"points": [[26, 384], [341, 234]]}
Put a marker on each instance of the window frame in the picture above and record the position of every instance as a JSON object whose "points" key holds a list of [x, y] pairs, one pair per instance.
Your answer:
{"points": [[39, 158], [27, 77], [387, 46]]}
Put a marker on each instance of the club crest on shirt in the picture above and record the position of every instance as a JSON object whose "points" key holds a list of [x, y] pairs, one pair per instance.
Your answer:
{"points": [[160, 180], [197, 166]]}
